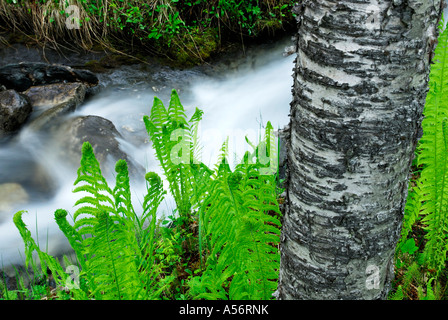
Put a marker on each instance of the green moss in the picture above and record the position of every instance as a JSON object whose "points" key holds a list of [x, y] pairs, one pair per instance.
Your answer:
{"points": [[270, 25], [116, 60], [195, 47], [95, 66], [21, 38], [110, 61]]}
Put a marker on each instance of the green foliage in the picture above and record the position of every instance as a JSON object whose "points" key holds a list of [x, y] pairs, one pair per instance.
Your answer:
{"points": [[409, 246], [237, 202], [179, 28], [172, 139], [397, 295], [421, 252], [221, 242], [113, 249], [429, 197], [242, 228]]}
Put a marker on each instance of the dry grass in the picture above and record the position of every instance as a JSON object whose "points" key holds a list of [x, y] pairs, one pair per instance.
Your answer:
{"points": [[56, 25], [162, 27]]}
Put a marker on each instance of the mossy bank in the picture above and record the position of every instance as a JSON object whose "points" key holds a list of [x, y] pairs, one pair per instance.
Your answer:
{"points": [[182, 32]]}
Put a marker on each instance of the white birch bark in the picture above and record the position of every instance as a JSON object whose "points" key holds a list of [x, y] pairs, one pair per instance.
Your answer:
{"points": [[360, 84]]}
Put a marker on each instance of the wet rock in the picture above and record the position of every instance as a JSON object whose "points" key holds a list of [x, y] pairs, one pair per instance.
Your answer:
{"points": [[22, 76], [15, 109], [12, 196], [52, 101], [54, 94], [19, 167], [104, 138]]}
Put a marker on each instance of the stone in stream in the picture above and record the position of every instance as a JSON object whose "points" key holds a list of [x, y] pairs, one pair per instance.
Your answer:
{"points": [[15, 109], [21, 168], [22, 76], [12, 195], [52, 101], [102, 135]]}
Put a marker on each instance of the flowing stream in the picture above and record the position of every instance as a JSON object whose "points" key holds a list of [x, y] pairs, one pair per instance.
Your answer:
{"points": [[238, 96]]}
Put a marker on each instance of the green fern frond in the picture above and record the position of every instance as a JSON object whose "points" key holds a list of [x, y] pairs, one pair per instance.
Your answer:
{"points": [[123, 257], [72, 235], [397, 295], [91, 181], [46, 261], [431, 291], [429, 198], [122, 191], [176, 112], [154, 196], [241, 223], [172, 140], [195, 147], [112, 259]]}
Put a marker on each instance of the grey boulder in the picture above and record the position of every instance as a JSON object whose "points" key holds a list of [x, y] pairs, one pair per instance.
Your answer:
{"points": [[104, 138], [15, 108], [52, 101], [22, 76]]}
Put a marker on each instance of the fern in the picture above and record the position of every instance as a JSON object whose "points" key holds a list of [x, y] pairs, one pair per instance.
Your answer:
{"points": [[397, 295], [429, 198], [175, 143], [112, 260], [237, 212], [103, 221], [47, 261], [433, 291], [242, 226], [411, 276], [113, 246]]}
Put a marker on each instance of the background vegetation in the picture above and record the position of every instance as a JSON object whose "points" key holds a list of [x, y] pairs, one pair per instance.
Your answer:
{"points": [[187, 31]]}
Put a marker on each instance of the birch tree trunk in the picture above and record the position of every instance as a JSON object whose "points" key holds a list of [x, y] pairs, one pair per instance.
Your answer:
{"points": [[360, 83]]}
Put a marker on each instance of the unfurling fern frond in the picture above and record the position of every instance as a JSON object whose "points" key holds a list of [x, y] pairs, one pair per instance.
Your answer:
{"points": [[99, 197], [153, 198], [122, 192], [125, 256]]}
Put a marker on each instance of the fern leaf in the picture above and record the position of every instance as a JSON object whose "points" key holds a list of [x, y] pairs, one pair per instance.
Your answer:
{"points": [[46, 261], [431, 192], [397, 295], [240, 221]]}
